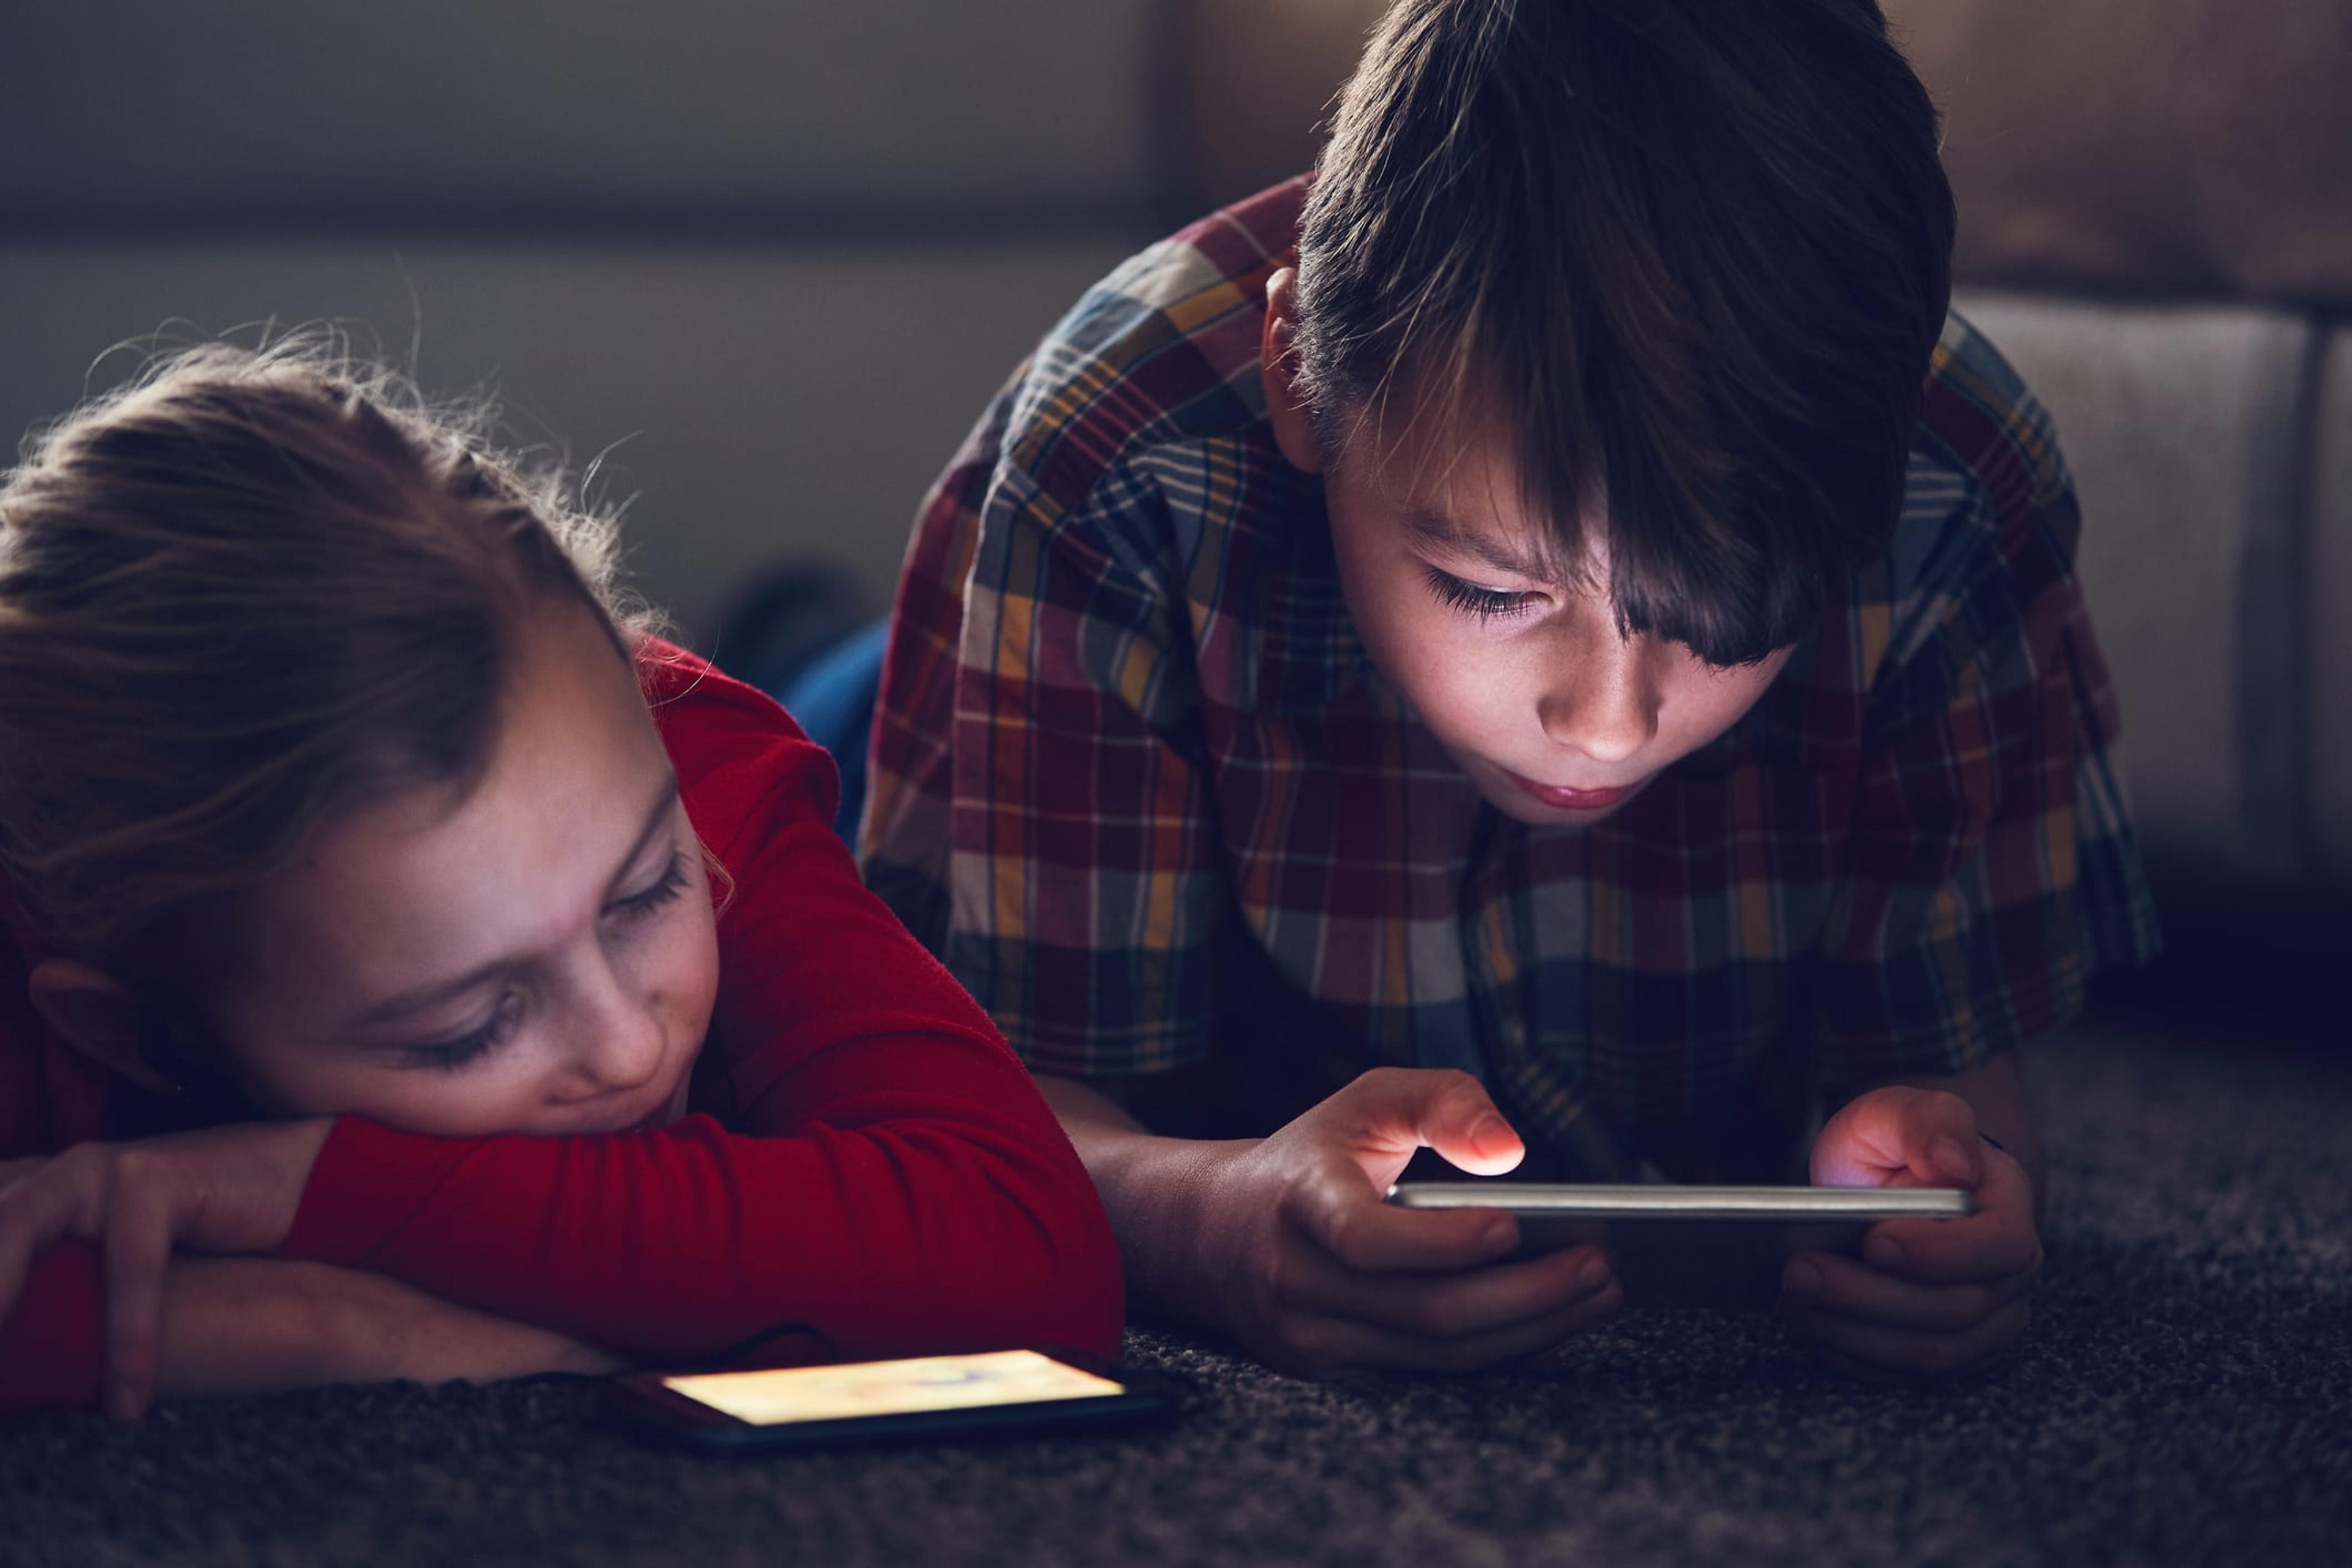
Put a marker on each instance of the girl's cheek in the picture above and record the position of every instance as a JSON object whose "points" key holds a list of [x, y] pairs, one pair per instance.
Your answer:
{"points": [[680, 959]]}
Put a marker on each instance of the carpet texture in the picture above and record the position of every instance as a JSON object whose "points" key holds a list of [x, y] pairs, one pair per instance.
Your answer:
{"points": [[2184, 1396]]}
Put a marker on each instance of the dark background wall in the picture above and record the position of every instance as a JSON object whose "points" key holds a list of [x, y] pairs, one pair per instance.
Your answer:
{"points": [[764, 263], [769, 259]]}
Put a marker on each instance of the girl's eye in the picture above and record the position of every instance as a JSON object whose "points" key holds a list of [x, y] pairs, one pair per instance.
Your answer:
{"points": [[636, 906], [1486, 604], [450, 1056]]}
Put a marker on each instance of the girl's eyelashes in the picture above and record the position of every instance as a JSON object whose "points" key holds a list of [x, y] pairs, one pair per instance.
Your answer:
{"points": [[1486, 604], [450, 1056], [638, 905]]}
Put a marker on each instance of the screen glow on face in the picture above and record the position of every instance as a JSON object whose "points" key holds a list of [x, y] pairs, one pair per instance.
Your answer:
{"points": [[795, 1394]]}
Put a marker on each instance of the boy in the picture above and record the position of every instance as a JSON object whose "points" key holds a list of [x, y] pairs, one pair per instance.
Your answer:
{"points": [[1547, 631]]}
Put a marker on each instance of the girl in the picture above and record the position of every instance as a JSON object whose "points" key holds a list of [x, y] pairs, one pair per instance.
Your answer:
{"points": [[412, 967]]}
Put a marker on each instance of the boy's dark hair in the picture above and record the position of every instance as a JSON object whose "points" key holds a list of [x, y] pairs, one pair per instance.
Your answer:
{"points": [[1695, 254]]}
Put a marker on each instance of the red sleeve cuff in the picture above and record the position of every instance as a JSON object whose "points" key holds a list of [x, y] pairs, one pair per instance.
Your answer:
{"points": [[368, 1182], [50, 1343]]}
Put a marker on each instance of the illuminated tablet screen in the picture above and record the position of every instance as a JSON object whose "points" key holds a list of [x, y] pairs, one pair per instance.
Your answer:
{"points": [[891, 1387]]}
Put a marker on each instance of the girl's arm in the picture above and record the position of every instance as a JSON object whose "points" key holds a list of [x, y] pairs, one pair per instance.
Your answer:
{"points": [[899, 1184], [259, 1325]]}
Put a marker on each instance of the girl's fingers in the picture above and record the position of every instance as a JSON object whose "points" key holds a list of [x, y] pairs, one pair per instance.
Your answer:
{"points": [[15, 1258], [1333, 1344], [36, 1211], [1442, 1307], [137, 1251], [1889, 1348]]}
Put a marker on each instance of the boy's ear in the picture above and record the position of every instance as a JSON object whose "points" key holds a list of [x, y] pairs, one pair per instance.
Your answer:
{"points": [[96, 1017], [1294, 431]]}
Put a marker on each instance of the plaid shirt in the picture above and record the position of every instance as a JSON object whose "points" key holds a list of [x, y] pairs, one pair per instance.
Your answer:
{"points": [[1136, 782]]}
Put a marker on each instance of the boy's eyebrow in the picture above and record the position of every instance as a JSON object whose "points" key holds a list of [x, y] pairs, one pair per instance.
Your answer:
{"points": [[1434, 528], [417, 998]]}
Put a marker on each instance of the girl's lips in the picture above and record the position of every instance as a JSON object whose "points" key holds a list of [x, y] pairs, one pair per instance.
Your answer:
{"points": [[1562, 799]]}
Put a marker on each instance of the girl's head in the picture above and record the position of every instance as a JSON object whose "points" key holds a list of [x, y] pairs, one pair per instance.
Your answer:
{"points": [[323, 767]]}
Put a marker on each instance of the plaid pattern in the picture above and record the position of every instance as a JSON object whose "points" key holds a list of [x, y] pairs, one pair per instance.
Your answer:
{"points": [[1136, 782]]}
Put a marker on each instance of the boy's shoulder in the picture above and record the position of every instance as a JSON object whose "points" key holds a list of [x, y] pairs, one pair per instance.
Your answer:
{"points": [[1164, 351], [1990, 518], [1981, 428]]}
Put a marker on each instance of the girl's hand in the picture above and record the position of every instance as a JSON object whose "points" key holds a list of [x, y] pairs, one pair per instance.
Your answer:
{"points": [[1927, 1296], [225, 1189], [1315, 1272]]}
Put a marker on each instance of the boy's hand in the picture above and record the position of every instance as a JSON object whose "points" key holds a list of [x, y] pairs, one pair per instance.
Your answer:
{"points": [[225, 1189], [1314, 1271], [1927, 1296]]}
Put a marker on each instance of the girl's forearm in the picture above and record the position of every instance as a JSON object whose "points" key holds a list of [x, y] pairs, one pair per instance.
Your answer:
{"points": [[954, 1217], [258, 1325]]}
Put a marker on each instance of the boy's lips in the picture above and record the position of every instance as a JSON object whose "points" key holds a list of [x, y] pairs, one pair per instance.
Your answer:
{"points": [[1561, 798]]}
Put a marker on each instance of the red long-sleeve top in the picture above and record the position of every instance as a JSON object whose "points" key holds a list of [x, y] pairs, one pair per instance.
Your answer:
{"points": [[885, 1176]]}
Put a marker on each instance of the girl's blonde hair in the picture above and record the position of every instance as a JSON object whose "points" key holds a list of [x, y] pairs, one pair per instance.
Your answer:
{"points": [[240, 597]]}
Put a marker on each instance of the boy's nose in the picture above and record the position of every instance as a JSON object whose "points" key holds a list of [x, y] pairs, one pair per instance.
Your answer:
{"points": [[1603, 705]]}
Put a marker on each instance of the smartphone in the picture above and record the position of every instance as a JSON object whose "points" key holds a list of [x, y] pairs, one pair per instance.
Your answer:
{"points": [[1686, 1245], [992, 1393]]}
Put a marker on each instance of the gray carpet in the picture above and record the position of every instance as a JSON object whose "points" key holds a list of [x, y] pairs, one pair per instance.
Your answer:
{"points": [[2184, 1396]]}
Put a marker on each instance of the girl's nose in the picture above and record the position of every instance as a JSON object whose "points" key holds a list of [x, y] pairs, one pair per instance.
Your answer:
{"points": [[619, 1042]]}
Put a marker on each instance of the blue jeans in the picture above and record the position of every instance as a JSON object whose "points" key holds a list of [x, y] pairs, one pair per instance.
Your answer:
{"points": [[834, 699]]}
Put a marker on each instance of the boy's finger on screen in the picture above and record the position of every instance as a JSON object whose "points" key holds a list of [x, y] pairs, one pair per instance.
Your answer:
{"points": [[1441, 1108], [1938, 1136], [1901, 1136]]}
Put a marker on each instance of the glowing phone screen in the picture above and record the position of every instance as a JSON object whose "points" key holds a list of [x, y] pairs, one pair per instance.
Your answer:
{"points": [[891, 1387]]}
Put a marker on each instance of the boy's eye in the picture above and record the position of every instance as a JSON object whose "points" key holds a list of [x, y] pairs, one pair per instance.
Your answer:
{"points": [[449, 1056], [1486, 604], [638, 905]]}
